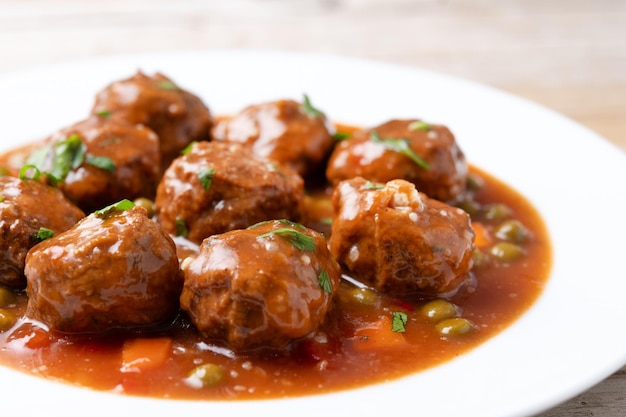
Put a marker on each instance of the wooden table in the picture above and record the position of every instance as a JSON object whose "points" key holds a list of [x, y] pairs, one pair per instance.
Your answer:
{"points": [[569, 55]]}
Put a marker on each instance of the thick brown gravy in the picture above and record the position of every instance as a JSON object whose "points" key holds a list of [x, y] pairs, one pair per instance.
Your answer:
{"points": [[355, 347]]}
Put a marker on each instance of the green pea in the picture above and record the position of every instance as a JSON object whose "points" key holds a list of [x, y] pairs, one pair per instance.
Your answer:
{"points": [[145, 203], [455, 326], [7, 320], [364, 296], [207, 375], [506, 251], [474, 182], [479, 259], [471, 207], [6, 297], [512, 231], [437, 310], [497, 212]]}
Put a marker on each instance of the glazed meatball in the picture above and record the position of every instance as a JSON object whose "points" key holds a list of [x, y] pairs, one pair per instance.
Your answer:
{"points": [[264, 286], [292, 133], [29, 212], [177, 116], [114, 269], [99, 161], [398, 240], [424, 154], [217, 187]]}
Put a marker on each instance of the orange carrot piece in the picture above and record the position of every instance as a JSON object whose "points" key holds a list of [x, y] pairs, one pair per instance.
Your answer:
{"points": [[377, 335], [482, 237], [142, 353]]}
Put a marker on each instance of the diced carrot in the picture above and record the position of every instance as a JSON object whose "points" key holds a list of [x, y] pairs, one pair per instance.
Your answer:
{"points": [[482, 237], [143, 354], [377, 335]]}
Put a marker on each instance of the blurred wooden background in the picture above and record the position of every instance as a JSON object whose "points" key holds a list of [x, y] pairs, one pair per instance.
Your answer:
{"points": [[568, 55]]}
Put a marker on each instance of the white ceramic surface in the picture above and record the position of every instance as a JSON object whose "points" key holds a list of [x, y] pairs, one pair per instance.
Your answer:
{"points": [[570, 339]]}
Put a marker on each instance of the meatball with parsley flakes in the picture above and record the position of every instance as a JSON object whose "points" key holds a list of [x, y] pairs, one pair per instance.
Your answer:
{"points": [[216, 187], [177, 116], [296, 134], [399, 241], [114, 269], [99, 161], [413, 150], [264, 286], [29, 213]]}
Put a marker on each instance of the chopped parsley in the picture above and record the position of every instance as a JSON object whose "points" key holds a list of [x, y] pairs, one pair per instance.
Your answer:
{"points": [[104, 113], [101, 162], [400, 146], [121, 205], [324, 280], [339, 136], [206, 177], [373, 186], [398, 322], [298, 239], [420, 125], [308, 109], [26, 169], [43, 234], [167, 85], [66, 155], [188, 148]]}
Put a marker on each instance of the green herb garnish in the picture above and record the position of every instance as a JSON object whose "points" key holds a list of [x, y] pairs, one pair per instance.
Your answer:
{"points": [[398, 322], [23, 174], [308, 109], [113, 208], [188, 148], [180, 228], [339, 136], [373, 186], [101, 162], [206, 177], [324, 280], [68, 155], [420, 125], [104, 113], [167, 85], [43, 234], [298, 239], [400, 146]]}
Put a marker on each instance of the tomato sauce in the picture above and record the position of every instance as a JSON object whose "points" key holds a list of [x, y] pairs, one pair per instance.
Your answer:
{"points": [[355, 347]]}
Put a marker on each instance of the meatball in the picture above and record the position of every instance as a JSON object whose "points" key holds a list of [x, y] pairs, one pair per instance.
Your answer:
{"points": [[424, 154], [398, 240], [177, 116], [217, 187], [264, 286], [295, 134], [115, 268], [29, 212], [99, 161]]}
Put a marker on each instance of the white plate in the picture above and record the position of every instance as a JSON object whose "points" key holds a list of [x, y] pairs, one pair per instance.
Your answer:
{"points": [[569, 340]]}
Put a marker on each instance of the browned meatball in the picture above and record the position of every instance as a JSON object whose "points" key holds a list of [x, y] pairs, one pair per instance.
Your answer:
{"points": [[217, 187], [177, 116], [297, 135], [29, 212], [260, 287], [424, 154], [400, 241], [114, 269], [99, 161]]}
